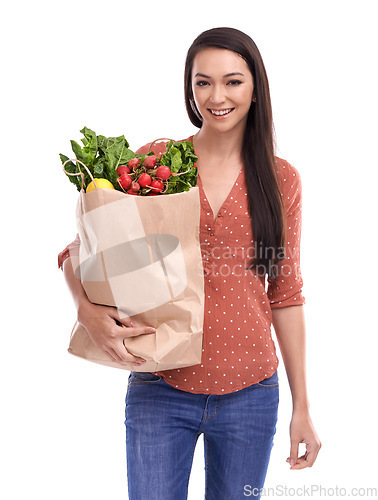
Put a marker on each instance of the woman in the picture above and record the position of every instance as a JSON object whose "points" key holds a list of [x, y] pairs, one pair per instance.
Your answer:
{"points": [[250, 231]]}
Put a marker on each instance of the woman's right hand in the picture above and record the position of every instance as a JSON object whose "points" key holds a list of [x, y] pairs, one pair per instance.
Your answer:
{"points": [[101, 324]]}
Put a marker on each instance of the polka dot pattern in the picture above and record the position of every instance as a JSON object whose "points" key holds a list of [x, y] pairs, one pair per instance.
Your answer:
{"points": [[238, 349]]}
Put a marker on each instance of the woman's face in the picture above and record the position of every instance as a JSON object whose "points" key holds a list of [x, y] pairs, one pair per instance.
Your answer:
{"points": [[222, 88]]}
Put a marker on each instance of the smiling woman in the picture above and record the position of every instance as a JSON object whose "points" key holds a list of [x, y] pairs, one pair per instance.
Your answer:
{"points": [[239, 110], [249, 199], [250, 230]]}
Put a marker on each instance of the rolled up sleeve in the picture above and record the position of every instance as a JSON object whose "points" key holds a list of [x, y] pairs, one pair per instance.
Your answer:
{"points": [[286, 289], [71, 249]]}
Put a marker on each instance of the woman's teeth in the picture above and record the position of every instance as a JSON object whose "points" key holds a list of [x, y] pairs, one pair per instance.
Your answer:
{"points": [[222, 112]]}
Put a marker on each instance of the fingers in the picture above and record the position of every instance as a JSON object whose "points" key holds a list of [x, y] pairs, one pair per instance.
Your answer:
{"points": [[110, 335], [133, 332], [294, 448], [112, 345], [302, 463], [306, 460], [293, 452], [122, 318], [116, 349], [124, 357]]}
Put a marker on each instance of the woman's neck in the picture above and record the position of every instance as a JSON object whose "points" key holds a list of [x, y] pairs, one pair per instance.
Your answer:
{"points": [[220, 147]]}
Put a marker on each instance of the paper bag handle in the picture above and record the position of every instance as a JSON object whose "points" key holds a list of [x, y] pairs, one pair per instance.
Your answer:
{"points": [[161, 139], [81, 173]]}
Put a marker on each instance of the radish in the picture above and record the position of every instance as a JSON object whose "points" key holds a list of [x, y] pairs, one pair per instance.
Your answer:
{"points": [[133, 163], [123, 169], [157, 186], [125, 181], [149, 161], [130, 191], [163, 172], [144, 180], [135, 187]]}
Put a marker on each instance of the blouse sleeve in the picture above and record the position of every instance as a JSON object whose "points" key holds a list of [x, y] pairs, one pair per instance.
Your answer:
{"points": [[158, 148], [71, 249], [286, 289], [143, 149]]}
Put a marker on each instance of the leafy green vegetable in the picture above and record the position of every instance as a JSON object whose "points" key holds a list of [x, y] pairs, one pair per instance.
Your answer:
{"points": [[180, 157], [103, 155], [71, 167], [116, 154]]}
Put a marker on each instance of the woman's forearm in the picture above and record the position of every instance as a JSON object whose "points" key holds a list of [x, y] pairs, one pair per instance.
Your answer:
{"points": [[74, 284], [289, 325]]}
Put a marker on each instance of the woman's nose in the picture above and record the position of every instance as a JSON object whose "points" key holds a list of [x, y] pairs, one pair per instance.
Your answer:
{"points": [[217, 96]]}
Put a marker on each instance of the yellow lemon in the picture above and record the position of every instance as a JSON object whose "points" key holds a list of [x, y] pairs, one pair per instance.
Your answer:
{"points": [[100, 183]]}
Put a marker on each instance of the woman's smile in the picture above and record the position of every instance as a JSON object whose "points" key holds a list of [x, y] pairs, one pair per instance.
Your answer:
{"points": [[221, 113]]}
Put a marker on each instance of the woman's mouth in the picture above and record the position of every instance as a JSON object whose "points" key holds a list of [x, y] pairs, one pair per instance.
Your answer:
{"points": [[221, 113]]}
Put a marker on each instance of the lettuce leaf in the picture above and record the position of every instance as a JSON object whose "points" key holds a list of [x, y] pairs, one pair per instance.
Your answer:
{"points": [[102, 155], [71, 167], [180, 157]]}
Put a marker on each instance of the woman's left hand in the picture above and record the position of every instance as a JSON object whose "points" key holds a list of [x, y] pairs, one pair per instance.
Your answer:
{"points": [[303, 431]]}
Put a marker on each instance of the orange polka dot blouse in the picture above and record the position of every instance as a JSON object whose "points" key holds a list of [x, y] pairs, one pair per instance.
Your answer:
{"points": [[238, 349]]}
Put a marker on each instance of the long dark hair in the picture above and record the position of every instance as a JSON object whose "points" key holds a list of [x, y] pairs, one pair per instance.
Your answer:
{"points": [[265, 202]]}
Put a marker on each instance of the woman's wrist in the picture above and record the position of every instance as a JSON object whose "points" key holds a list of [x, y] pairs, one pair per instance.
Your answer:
{"points": [[302, 406], [83, 309]]}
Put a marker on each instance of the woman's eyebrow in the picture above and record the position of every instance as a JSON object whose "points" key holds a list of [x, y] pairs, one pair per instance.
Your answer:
{"points": [[225, 76]]}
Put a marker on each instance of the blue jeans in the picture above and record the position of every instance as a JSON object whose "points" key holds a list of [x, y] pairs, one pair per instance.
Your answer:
{"points": [[163, 425]]}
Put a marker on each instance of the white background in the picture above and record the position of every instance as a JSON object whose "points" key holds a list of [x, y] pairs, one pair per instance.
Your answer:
{"points": [[117, 67]]}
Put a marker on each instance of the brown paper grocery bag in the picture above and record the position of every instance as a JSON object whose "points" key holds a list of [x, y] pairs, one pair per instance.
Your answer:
{"points": [[142, 255]]}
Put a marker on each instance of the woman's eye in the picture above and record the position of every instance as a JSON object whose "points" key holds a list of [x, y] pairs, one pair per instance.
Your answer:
{"points": [[203, 83]]}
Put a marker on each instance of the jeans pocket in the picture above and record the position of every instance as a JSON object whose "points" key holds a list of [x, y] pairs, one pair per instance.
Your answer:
{"points": [[143, 378], [269, 382]]}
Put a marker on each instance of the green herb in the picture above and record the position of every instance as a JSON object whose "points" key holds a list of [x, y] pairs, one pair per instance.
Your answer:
{"points": [[180, 157], [102, 155]]}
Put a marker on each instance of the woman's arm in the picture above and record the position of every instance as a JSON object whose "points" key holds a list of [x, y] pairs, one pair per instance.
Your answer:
{"points": [[289, 325], [101, 321], [74, 284]]}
